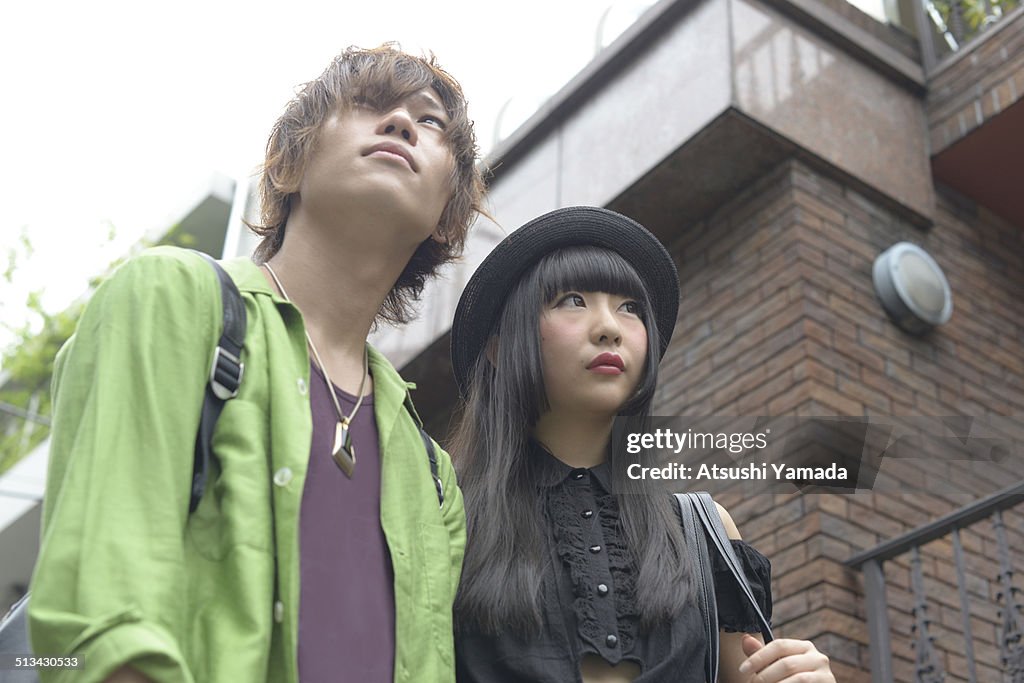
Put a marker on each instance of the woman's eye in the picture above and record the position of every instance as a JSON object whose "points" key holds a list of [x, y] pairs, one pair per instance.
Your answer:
{"points": [[572, 300], [632, 307]]}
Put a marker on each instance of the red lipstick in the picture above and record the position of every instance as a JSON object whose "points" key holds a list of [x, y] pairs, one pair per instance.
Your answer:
{"points": [[607, 364]]}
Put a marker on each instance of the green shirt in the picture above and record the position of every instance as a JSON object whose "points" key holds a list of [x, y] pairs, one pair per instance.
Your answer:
{"points": [[126, 575]]}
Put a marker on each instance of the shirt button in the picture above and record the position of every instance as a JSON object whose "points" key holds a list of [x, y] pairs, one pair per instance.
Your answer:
{"points": [[611, 641], [578, 474], [595, 549], [602, 589], [278, 611], [302, 386], [587, 514], [283, 476]]}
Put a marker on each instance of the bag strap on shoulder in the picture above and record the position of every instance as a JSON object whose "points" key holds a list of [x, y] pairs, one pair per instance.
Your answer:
{"points": [[224, 380], [428, 444], [700, 560], [708, 513], [225, 377]]}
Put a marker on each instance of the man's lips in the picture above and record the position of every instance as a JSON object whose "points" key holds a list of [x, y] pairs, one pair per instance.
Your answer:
{"points": [[394, 149], [607, 364]]}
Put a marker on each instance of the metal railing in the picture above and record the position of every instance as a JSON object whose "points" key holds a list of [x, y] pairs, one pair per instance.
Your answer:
{"points": [[928, 667], [946, 26]]}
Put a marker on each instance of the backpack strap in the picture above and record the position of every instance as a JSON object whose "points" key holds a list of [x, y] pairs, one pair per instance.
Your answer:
{"points": [[225, 378], [226, 373], [428, 444]]}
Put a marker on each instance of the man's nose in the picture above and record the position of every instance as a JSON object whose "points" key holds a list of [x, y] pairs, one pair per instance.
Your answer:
{"points": [[398, 122]]}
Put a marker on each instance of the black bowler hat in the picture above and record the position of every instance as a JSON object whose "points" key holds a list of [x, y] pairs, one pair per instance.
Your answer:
{"points": [[574, 226]]}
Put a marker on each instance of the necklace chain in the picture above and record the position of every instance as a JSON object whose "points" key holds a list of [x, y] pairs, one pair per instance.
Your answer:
{"points": [[343, 453]]}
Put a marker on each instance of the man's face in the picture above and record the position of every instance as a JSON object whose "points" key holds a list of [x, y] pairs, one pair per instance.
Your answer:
{"points": [[379, 160]]}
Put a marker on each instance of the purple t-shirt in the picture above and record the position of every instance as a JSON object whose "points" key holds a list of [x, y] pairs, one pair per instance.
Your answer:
{"points": [[347, 608]]}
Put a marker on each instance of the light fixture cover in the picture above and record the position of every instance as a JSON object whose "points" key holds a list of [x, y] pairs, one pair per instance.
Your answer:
{"points": [[912, 288]]}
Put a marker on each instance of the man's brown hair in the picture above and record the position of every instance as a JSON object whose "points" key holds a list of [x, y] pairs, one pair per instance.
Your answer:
{"points": [[381, 76]]}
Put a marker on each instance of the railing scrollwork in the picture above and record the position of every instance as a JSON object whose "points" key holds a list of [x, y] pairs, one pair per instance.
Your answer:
{"points": [[928, 665]]}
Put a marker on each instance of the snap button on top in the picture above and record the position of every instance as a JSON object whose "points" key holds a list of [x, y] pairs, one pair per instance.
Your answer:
{"points": [[283, 476], [578, 474], [602, 589]]}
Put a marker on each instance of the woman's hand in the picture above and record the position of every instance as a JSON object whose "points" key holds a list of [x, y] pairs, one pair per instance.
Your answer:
{"points": [[784, 660]]}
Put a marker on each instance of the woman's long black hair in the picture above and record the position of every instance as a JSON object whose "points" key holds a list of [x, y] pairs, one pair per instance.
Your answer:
{"points": [[505, 561]]}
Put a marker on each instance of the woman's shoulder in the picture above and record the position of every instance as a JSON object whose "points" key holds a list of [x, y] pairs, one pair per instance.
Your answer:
{"points": [[734, 611], [755, 564], [727, 521], [749, 556]]}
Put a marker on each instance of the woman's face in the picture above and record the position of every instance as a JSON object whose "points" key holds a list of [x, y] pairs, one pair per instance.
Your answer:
{"points": [[593, 350]]}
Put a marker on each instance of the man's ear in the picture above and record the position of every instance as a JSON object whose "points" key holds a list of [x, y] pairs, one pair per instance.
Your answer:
{"points": [[491, 351]]}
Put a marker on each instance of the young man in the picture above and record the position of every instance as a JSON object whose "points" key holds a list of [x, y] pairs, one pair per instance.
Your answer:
{"points": [[319, 550]]}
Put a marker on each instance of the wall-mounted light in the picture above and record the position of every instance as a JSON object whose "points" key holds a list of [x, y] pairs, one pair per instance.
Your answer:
{"points": [[912, 288]]}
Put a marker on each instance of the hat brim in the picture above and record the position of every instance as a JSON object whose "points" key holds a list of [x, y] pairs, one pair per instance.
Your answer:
{"points": [[485, 294]]}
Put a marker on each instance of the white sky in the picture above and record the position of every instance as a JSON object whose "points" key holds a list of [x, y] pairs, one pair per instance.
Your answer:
{"points": [[115, 113]]}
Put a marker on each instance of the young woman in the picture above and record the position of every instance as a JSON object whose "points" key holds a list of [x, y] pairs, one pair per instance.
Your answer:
{"points": [[568, 577]]}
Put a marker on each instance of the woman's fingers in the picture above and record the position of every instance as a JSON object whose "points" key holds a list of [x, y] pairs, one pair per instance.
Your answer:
{"points": [[787, 660], [804, 668], [750, 644], [780, 647]]}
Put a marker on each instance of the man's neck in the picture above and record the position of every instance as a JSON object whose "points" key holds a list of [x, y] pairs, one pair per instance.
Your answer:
{"points": [[576, 440], [339, 289]]}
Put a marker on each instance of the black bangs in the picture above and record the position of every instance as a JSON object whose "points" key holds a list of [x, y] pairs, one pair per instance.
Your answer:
{"points": [[588, 269]]}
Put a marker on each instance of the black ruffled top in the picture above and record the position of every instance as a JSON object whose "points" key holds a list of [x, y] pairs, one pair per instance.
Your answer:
{"points": [[592, 593]]}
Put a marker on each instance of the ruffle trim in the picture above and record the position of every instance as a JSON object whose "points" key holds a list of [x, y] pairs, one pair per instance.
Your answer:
{"points": [[572, 550], [735, 613]]}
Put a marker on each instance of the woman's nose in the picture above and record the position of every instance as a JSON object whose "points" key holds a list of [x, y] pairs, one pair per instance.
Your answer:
{"points": [[606, 326]]}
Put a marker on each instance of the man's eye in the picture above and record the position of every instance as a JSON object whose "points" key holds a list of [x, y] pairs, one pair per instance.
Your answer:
{"points": [[434, 121]]}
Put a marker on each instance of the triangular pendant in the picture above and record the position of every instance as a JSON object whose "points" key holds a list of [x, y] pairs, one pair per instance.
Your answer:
{"points": [[344, 453]]}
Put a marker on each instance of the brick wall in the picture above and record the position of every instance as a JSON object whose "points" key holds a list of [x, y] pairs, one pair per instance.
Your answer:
{"points": [[779, 317], [977, 84]]}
